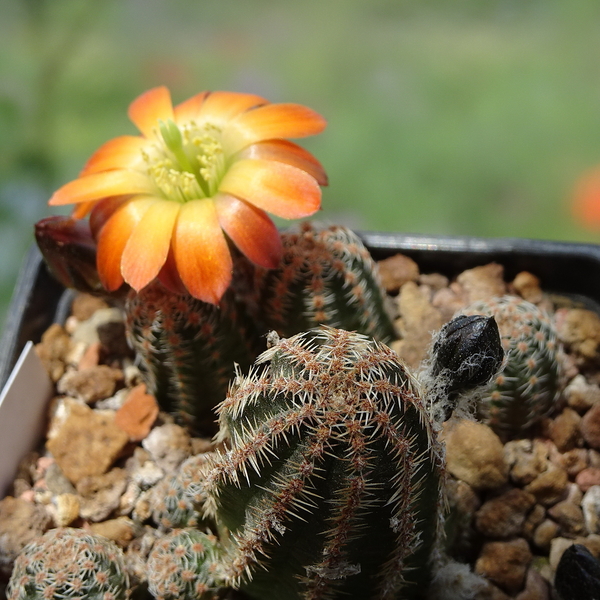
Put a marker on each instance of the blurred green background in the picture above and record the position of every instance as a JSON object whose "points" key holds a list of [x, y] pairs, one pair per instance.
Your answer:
{"points": [[464, 117]]}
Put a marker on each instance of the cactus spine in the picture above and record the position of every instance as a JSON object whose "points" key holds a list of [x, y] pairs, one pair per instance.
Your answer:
{"points": [[525, 391], [69, 563], [188, 349], [327, 276], [331, 484]]}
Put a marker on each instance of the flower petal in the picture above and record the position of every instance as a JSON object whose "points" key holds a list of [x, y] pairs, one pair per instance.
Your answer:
{"points": [[103, 210], [201, 252], [269, 122], [278, 188], [220, 107], [119, 153], [289, 153], [101, 185], [146, 250], [251, 230], [82, 209], [113, 237], [147, 109], [190, 108]]}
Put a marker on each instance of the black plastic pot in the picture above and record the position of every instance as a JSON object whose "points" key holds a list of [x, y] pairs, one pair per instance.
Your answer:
{"points": [[570, 269]]}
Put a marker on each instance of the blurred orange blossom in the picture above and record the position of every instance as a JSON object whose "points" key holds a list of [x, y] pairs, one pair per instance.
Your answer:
{"points": [[203, 174], [585, 202]]}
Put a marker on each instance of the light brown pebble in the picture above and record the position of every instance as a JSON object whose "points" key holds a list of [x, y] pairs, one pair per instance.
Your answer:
{"points": [[120, 530], [581, 395], [503, 517], [557, 546], [536, 587], [418, 319], [67, 509], [85, 442], [590, 427], [92, 384], [527, 285], [526, 460], [475, 454], [483, 283], [564, 430], [573, 461], [534, 518], [85, 305], [169, 445], [505, 563], [550, 486], [396, 270], [544, 533], [579, 328], [53, 350], [101, 494], [569, 517]]}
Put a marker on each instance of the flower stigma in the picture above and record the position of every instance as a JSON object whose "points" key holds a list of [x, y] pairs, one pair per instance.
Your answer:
{"points": [[188, 162]]}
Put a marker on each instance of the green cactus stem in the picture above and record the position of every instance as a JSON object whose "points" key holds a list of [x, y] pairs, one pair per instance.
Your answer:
{"points": [[330, 487], [327, 276], [182, 565], [528, 386], [188, 349], [69, 563]]}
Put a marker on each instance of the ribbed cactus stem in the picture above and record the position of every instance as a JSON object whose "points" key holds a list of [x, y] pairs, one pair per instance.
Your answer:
{"points": [[182, 565], [69, 563], [188, 350], [331, 484], [327, 276]]}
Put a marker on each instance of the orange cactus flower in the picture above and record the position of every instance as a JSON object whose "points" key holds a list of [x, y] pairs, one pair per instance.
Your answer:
{"points": [[204, 173], [586, 199]]}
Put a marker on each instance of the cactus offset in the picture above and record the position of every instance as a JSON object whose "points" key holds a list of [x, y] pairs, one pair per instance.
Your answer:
{"points": [[69, 563], [527, 388], [178, 497], [331, 484], [328, 277], [188, 349], [182, 565]]}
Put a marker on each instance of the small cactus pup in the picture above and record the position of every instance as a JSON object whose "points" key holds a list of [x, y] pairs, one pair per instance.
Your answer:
{"points": [[182, 565], [330, 487], [327, 276], [465, 355], [528, 386], [188, 348], [69, 563]]}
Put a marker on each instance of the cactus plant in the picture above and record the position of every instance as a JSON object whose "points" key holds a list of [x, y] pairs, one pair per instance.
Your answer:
{"points": [[182, 565], [327, 276], [331, 483], [176, 497], [69, 563], [188, 349], [526, 389]]}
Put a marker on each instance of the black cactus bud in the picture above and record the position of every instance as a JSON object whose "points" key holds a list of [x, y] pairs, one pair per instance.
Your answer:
{"points": [[469, 348], [468, 351], [577, 574]]}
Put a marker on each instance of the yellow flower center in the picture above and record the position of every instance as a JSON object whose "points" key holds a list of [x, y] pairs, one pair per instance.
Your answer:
{"points": [[187, 162]]}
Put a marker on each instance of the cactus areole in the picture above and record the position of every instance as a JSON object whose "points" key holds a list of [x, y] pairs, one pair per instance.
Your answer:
{"points": [[330, 487]]}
